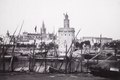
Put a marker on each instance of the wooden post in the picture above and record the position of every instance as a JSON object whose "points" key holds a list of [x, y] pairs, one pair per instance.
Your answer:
{"points": [[45, 60], [66, 60], [81, 61], [12, 58], [32, 59], [87, 64], [30, 63], [116, 54], [3, 58], [33, 62]]}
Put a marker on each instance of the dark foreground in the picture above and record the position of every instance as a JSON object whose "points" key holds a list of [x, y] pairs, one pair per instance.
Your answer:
{"points": [[37, 76]]}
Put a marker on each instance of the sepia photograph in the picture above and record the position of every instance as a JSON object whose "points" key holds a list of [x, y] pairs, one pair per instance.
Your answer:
{"points": [[59, 40]]}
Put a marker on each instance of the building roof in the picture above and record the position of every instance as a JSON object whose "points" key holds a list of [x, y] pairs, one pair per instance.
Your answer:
{"points": [[97, 38]]}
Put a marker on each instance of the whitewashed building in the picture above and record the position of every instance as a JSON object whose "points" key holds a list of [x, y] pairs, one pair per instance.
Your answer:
{"points": [[42, 36], [65, 36], [93, 40]]}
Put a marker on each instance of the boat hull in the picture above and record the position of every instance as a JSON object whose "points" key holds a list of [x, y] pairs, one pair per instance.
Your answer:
{"points": [[104, 73]]}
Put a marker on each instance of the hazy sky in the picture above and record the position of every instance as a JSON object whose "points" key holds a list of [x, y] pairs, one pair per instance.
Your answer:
{"points": [[93, 17]]}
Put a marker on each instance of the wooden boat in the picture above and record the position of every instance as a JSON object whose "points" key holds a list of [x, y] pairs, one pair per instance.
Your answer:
{"points": [[106, 69], [55, 70]]}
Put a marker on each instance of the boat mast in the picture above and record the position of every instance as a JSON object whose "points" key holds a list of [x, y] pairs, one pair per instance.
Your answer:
{"points": [[14, 45], [33, 55]]}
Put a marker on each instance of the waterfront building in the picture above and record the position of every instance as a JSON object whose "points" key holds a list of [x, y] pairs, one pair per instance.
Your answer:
{"points": [[65, 36], [93, 40], [42, 36]]}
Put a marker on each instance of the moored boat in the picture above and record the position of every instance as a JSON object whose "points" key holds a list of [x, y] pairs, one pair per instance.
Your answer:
{"points": [[108, 68]]}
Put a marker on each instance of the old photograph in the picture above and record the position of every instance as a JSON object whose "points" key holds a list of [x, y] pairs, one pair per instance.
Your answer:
{"points": [[59, 40]]}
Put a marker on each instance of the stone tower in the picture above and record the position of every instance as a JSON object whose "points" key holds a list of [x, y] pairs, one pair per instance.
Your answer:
{"points": [[65, 36]]}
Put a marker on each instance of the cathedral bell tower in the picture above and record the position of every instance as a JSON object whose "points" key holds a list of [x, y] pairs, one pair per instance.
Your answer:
{"points": [[43, 29]]}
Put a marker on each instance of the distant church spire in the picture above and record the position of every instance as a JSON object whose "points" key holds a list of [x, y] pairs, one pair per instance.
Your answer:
{"points": [[8, 34], [66, 21], [43, 29], [43, 25]]}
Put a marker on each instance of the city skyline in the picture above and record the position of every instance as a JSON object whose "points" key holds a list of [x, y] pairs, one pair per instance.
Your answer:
{"points": [[93, 17]]}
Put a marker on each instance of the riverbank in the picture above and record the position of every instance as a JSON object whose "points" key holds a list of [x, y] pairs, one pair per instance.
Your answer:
{"points": [[38, 76]]}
